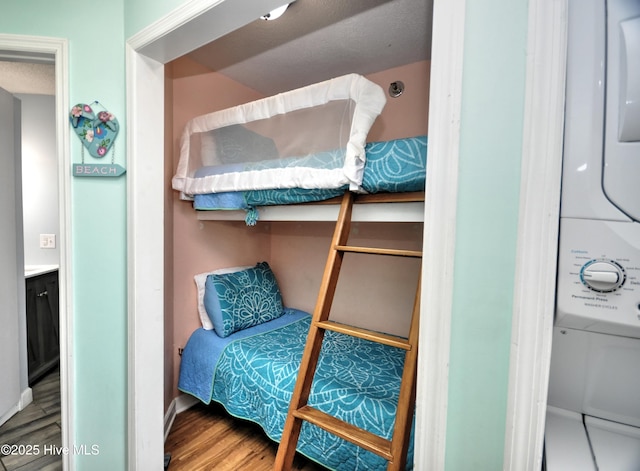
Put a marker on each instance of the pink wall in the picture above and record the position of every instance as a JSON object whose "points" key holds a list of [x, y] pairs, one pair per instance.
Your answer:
{"points": [[407, 115], [202, 246], [296, 251], [373, 291], [384, 287]]}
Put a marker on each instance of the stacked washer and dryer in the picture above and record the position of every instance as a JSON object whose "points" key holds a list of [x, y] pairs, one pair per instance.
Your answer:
{"points": [[593, 415]]}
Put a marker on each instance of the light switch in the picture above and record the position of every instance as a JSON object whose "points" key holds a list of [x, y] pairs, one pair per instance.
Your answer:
{"points": [[47, 241]]}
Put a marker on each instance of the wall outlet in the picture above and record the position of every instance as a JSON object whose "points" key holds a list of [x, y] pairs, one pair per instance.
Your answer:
{"points": [[47, 241]]}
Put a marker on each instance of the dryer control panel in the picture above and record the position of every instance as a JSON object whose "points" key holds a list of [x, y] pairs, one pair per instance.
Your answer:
{"points": [[599, 277], [603, 275]]}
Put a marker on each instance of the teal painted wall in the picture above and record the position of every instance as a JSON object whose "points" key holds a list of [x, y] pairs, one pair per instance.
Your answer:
{"points": [[142, 13], [487, 218], [95, 31]]}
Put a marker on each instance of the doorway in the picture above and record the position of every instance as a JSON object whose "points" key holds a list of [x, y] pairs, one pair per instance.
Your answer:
{"points": [[183, 30], [147, 53], [38, 50]]}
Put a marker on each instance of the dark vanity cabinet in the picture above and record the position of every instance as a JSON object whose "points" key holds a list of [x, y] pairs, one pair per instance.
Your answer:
{"points": [[43, 332]]}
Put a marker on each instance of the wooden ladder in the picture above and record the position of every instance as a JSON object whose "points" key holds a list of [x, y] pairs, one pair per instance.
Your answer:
{"points": [[394, 450]]}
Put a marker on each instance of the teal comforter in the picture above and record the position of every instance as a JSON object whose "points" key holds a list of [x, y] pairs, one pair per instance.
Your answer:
{"points": [[253, 377]]}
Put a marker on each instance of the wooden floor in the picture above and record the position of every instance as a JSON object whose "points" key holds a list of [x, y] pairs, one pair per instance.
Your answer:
{"points": [[36, 428], [207, 438], [203, 438]]}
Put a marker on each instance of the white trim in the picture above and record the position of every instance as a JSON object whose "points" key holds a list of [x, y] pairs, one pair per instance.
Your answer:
{"points": [[439, 245], [194, 24], [170, 23], [179, 404], [13, 410], [185, 402], [26, 398], [145, 244], [370, 212], [59, 48], [534, 287], [67, 378], [169, 417]]}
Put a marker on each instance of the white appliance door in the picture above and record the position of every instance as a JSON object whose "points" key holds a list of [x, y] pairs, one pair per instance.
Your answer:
{"points": [[11, 253], [566, 443], [622, 131], [616, 447]]}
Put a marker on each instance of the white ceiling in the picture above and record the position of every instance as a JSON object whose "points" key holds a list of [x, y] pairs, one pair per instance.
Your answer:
{"points": [[319, 39], [313, 41], [27, 77]]}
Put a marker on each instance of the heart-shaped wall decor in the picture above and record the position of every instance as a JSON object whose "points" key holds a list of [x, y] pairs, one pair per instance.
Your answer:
{"points": [[97, 130]]}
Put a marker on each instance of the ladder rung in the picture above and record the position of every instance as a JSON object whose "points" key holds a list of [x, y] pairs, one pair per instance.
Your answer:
{"points": [[367, 440], [365, 334], [379, 251]]}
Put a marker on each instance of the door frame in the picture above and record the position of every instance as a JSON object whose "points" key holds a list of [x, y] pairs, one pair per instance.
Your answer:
{"points": [[59, 49], [538, 230], [182, 31]]}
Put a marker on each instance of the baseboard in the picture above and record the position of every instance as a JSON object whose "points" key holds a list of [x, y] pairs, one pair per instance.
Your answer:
{"points": [[10, 413], [169, 417], [179, 404], [184, 402], [26, 398]]}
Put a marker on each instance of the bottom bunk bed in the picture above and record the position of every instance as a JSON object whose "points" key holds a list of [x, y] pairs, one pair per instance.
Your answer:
{"points": [[252, 373]]}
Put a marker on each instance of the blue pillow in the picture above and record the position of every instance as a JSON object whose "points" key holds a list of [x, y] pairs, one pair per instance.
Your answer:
{"points": [[242, 299]]}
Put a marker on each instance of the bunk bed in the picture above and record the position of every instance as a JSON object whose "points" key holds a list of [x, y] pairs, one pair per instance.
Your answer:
{"points": [[303, 147], [251, 371]]}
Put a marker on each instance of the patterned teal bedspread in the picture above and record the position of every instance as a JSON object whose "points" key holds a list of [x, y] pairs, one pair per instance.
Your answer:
{"points": [[398, 165], [357, 381]]}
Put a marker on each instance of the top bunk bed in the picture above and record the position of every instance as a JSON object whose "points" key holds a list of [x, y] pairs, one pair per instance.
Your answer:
{"points": [[290, 157]]}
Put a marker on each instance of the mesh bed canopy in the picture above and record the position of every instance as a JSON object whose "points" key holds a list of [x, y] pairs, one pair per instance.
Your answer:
{"points": [[311, 137]]}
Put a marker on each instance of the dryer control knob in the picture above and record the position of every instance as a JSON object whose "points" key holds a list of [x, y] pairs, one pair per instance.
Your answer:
{"points": [[603, 276]]}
